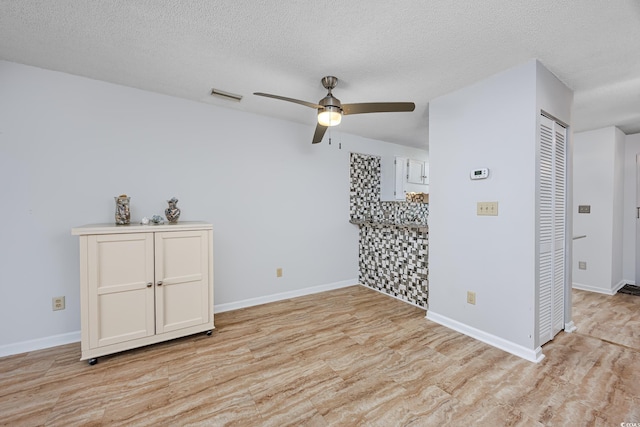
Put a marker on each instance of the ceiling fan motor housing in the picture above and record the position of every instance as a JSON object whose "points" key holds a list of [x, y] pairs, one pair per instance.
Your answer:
{"points": [[330, 103]]}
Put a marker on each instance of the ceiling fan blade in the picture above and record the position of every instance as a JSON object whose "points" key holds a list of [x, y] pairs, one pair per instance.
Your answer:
{"points": [[319, 133], [377, 107], [284, 98]]}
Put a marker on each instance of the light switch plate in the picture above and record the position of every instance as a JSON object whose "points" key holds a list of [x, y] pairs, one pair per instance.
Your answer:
{"points": [[584, 209], [487, 209]]}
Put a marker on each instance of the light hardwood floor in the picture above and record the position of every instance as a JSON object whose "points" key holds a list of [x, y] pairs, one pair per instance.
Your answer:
{"points": [[347, 357]]}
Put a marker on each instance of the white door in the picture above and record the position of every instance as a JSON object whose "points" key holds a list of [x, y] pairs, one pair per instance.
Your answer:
{"points": [[552, 228]]}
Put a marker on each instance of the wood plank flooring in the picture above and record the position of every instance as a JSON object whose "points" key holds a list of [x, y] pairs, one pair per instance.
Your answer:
{"points": [[349, 357]]}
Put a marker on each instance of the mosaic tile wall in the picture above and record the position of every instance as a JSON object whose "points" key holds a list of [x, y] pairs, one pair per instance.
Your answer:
{"points": [[364, 191], [394, 260], [393, 251]]}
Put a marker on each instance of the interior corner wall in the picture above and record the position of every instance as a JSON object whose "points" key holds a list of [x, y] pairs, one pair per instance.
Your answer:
{"points": [[69, 144], [553, 97], [617, 257], [598, 181], [490, 124], [632, 149]]}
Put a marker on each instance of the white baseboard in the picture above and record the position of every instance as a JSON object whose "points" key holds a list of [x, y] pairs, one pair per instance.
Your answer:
{"points": [[589, 288], [508, 346], [282, 296], [619, 286], [39, 344]]}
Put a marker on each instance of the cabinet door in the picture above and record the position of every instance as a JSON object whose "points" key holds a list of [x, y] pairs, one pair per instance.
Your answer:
{"points": [[121, 295], [416, 172], [400, 164], [182, 279]]}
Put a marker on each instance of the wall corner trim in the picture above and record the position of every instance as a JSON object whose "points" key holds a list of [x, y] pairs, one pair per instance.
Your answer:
{"points": [[570, 327], [516, 349], [40, 343], [620, 285]]}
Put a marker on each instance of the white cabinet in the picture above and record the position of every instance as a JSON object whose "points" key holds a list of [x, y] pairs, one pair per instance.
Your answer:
{"points": [[143, 284], [417, 172], [411, 175]]}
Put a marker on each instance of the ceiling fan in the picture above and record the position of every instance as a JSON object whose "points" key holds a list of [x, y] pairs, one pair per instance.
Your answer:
{"points": [[331, 110]]}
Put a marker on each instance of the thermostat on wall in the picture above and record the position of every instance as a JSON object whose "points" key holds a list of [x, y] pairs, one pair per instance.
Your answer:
{"points": [[479, 173]]}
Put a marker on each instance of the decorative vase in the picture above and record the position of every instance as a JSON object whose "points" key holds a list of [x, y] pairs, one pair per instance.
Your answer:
{"points": [[123, 214], [172, 212]]}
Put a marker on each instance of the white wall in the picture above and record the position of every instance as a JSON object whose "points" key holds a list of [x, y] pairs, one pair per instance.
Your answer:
{"points": [[617, 257], [489, 124], [598, 181], [68, 145], [632, 148]]}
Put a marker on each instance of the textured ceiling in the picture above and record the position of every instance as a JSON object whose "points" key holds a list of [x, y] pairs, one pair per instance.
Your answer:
{"points": [[412, 50]]}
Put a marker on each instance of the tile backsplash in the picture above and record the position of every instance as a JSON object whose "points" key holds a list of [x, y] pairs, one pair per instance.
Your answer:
{"points": [[400, 213]]}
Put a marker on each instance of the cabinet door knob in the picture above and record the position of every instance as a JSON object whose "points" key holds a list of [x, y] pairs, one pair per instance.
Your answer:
{"points": [[149, 284], [159, 282]]}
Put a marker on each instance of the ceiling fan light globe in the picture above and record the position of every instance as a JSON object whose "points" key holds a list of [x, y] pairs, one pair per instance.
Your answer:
{"points": [[329, 118]]}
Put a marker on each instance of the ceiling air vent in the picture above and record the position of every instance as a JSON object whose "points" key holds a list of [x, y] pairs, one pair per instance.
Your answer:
{"points": [[226, 95]]}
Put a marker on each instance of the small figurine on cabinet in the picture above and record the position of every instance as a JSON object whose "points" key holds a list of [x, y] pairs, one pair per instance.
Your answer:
{"points": [[172, 212], [156, 219]]}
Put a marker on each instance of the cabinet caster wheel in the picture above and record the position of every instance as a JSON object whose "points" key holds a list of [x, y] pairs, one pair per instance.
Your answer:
{"points": [[93, 361], [209, 333]]}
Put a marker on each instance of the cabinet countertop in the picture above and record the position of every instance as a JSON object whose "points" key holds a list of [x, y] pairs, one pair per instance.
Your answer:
{"points": [[139, 228]]}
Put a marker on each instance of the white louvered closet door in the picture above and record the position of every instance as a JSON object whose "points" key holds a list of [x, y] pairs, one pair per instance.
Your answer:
{"points": [[551, 229]]}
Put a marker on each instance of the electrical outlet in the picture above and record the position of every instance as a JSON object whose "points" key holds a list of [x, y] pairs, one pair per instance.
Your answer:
{"points": [[471, 297], [582, 265], [57, 303], [279, 272], [487, 208]]}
